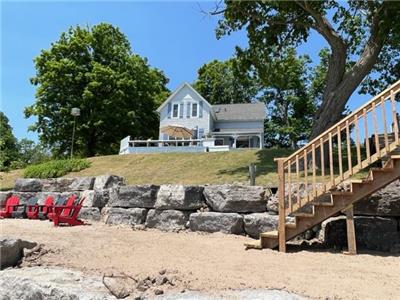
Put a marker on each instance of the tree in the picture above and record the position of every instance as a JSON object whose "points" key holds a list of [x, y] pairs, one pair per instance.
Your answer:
{"points": [[222, 82], [362, 35], [30, 152], [8, 144], [291, 105], [94, 69]]}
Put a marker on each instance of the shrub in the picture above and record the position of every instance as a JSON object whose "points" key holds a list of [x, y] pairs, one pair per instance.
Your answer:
{"points": [[55, 168]]}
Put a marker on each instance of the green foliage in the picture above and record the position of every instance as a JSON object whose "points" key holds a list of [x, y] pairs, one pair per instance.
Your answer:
{"points": [[29, 153], [8, 144], [94, 69], [223, 82], [55, 168], [363, 36], [291, 105]]}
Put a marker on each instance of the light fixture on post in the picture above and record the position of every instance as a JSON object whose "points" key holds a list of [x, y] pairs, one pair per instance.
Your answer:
{"points": [[76, 112]]}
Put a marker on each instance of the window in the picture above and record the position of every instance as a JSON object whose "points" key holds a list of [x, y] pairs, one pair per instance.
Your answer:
{"points": [[194, 110], [175, 110]]}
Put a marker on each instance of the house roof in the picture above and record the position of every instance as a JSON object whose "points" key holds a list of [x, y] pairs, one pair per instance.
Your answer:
{"points": [[185, 84], [239, 112]]}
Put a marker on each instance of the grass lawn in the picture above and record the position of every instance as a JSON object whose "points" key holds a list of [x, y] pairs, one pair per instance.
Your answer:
{"points": [[185, 168]]}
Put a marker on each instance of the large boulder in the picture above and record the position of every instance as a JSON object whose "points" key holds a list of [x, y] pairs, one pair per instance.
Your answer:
{"points": [[108, 181], [236, 198], [57, 184], [372, 233], [89, 213], [28, 185], [256, 223], [133, 196], [82, 183], [127, 216], [215, 221], [94, 198], [180, 197], [166, 220], [385, 202], [11, 251], [51, 283]]}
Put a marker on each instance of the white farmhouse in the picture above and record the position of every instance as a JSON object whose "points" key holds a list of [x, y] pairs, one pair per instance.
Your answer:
{"points": [[223, 126]]}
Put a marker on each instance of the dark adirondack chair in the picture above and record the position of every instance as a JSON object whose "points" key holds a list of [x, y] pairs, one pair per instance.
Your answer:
{"points": [[71, 217], [12, 204], [48, 206], [32, 210], [63, 209]]}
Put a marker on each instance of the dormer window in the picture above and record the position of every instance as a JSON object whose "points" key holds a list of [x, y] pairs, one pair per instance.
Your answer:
{"points": [[175, 110], [195, 110]]}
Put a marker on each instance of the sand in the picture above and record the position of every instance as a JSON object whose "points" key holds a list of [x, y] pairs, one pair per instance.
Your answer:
{"points": [[211, 262]]}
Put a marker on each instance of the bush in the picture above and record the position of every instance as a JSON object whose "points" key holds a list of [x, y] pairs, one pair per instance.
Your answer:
{"points": [[55, 168]]}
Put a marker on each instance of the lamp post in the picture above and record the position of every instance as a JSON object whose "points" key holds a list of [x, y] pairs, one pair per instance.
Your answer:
{"points": [[76, 112]]}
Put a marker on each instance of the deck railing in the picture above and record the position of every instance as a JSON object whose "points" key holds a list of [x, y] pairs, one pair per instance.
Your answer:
{"points": [[360, 139]]}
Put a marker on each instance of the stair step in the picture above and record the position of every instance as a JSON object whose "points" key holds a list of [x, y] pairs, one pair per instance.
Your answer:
{"points": [[341, 193], [395, 156], [357, 181], [253, 244], [384, 170], [323, 203], [291, 225], [303, 215], [269, 234]]}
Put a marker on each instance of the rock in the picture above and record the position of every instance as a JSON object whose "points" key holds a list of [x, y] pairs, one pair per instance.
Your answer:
{"points": [[372, 233], [180, 197], [81, 184], [57, 184], [120, 286], [3, 197], [158, 292], [235, 198], [128, 216], [28, 185], [41, 197], [104, 214], [95, 198], [89, 213], [256, 223], [24, 197], [65, 195], [385, 202], [273, 204], [167, 220], [133, 196], [50, 283], [215, 221], [108, 181], [11, 251]]}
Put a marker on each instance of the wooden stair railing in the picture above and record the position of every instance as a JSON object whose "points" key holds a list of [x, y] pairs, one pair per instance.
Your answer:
{"points": [[324, 165]]}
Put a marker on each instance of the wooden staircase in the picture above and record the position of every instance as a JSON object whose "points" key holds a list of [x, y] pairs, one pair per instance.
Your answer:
{"points": [[322, 179]]}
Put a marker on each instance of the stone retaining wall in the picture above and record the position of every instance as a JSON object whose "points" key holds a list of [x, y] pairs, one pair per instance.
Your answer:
{"points": [[235, 209]]}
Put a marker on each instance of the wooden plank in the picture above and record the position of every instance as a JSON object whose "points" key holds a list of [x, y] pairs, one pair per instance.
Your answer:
{"points": [[394, 117], [282, 214], [322, 152], [314, 172], [351, 234], [367, 146], [375, 125], [305, 160], [298, 181], [348, 146], [358, 147], [385, 133], [290, 186], [332, 177], [340, 158]]}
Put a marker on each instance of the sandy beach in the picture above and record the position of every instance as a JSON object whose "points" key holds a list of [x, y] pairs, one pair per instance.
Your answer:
{"points": [[211, 262]]}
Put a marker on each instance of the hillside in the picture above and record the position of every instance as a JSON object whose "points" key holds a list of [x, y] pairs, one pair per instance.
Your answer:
{"points": [[185, 168]]}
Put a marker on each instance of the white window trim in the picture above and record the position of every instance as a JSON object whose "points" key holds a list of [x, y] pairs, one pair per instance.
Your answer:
{"points": [[172, 110], [191, 110]]}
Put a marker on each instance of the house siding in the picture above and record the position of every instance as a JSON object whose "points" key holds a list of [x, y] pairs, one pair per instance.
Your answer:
{"points": [[184, 96], [239, 125]]}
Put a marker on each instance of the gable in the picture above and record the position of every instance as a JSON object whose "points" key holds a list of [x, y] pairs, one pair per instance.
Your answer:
{"points": [[183, 93]]}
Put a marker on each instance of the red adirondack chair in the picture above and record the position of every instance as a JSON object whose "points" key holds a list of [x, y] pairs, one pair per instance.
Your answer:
{"points": [[40, 211], [12, 204], [71, 217], [63, 210]]}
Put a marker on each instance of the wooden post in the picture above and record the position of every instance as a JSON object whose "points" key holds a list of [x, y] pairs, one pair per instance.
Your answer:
{"points": [[282, 214], [351, 234], [252, 174]]}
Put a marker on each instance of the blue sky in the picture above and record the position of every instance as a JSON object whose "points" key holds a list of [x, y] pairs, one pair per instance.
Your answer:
{"points": [[175, 37]]}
